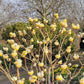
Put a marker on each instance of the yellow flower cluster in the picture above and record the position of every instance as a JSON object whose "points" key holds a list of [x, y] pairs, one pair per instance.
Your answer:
{"points": [[75, 26], [64, 23], [18, 63]]}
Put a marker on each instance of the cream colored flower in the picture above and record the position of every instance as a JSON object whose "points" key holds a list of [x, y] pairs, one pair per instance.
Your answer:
{"points": [[40, 74], [35, 19], [12, 34], [14, 54], [24, 40], [71, 39], [20, 33], [33, 32], [11, 41], [30, 72], [29, 28], [56, 15], [81, 80], [14, 78], [57, 56], [32, 40], [69, 31], [1, 53], [31, 20], [53, 25], [45, 20], [5, 49], [60, 62], [76, 56], [64, 66], [24, 53], [15, 46], [24, 32], [64, 23], [59, 77], [21, 81], [32, 78], [18, 63], [37, 56], [5, 56], [56, 43], [40, 64]]}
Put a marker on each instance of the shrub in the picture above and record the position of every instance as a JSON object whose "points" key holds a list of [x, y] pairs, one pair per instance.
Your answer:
{"points": [[49, 42]]}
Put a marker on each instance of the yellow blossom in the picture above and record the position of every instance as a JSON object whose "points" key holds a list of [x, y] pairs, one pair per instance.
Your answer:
{"points": [[69, 31], [11, 41], [40, 74], [20, 33], [14, 78], [18, 63], [15, 46], [56, 15], [32, 78], [71, 39], [30, 72], [23, 39], [40, 64], [33, 32], [5, 56], [31, 20], [14, 53], [48, 39], [35, 19], [1, 53], [76, 56], [29, 28], [60, 62], [81, 80], [56, 43], [24, 53], [21, 81], [64, 66], [24, 32], [32, 40], [64, 23], [5, 49], [57, 56], [59, 77], [53, 25]]}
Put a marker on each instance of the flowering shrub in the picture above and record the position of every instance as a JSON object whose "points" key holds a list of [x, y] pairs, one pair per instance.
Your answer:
{"points": [[50, 45]]}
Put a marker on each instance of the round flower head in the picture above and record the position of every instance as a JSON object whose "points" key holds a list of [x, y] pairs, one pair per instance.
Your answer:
{"points": [[57, 56], [64, 66], [40, 74], [32, 79], [30, 72], [18, 63], [56, 43], [14, 78], [24, 32], [20, 81], [40, 64], [5, 49], [20, 33], [31, 20], [1, 53], [59, 77], [81, 80], [35, 19], [71, 39], [15, 46], [5, 56], [56, 15], [14, 53], [76, 56]]}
